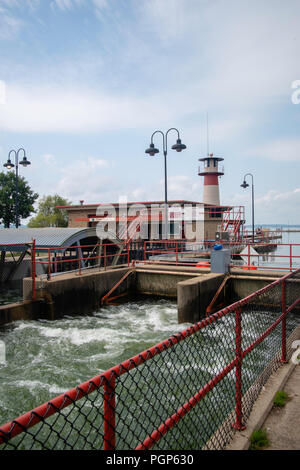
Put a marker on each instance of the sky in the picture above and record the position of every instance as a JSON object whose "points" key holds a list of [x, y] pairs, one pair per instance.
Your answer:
{"points": [[85, 83]]}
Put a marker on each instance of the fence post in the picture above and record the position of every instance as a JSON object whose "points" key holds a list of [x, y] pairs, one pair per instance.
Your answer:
{"points": [[238, 371], [109, 415], [283, 323], [176, 244], [33, 268]]}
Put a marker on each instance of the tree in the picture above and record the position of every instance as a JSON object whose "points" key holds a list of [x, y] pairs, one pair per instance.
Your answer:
{"points": [[49, 215], [26, 198]]}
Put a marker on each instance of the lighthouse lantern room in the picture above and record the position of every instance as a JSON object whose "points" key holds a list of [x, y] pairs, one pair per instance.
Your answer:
{"points": [[211, 173]]}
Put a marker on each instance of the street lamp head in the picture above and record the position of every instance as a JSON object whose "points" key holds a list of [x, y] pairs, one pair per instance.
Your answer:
{"points": [[9, 165], [152, 150], [178, 146], [25, 162], [244, 185]]}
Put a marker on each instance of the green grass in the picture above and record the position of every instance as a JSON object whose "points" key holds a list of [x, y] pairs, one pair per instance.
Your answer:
{"points": [[258, 439], [280, 398]]}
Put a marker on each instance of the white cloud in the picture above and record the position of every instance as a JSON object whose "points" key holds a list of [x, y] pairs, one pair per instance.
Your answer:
{"points": [[65, 5], [9, 3], [86, 179], [184, 187], [72, 109], [236, 53], [275, 197], [61, 109], [274, 206], [233, 62], [100, 4], [49, 158], [10, 25], [68, 5], [280, 206]]}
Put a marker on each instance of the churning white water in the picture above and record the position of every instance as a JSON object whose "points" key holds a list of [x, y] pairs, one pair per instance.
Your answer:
{"points": [[46, 358]]}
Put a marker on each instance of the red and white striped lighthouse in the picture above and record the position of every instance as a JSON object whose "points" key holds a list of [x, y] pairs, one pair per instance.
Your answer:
{"points": [[211, 173]]}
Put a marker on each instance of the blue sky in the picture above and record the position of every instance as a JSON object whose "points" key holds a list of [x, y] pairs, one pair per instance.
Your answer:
{"points": [[88, 81]]}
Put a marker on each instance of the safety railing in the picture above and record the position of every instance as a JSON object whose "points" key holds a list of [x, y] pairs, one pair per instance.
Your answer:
{"points": [[190, 391], [257, 255], [82, 257], [287, 258]]}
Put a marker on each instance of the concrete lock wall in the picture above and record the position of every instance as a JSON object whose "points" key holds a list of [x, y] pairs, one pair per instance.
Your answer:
{"points": [[73, 294], [27, 310], [160, 283], [194, 296], [241, 285], [81, 294]]}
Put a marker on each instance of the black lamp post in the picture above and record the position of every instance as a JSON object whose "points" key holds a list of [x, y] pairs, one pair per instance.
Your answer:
{"points": [[9, 165], [245, 185], [152, 150]]}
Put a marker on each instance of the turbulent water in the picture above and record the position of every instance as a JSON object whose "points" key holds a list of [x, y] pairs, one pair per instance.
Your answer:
{"points": [[44, 359]]}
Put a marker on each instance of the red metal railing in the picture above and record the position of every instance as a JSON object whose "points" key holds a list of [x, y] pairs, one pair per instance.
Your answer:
{"points": [[108, 380], [53, 258], [175, 247]]}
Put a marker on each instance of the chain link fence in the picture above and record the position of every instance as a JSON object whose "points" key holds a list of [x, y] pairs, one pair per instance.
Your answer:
{"points": [[192, 391]]}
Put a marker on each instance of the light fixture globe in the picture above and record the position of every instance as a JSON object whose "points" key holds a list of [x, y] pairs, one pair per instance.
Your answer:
{"points": [[9, 165], [244, 185], [179, 146], [25, 162], [152, 150]]}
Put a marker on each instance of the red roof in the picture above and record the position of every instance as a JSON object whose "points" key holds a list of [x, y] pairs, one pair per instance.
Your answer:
{"points": [[73, 206]]}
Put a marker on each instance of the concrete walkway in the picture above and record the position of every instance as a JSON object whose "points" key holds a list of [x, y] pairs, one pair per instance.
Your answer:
{"points": [[283, 424]]}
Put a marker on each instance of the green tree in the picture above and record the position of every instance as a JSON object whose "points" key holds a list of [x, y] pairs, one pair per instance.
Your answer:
{"points": [[26, 198], [49, 215]]}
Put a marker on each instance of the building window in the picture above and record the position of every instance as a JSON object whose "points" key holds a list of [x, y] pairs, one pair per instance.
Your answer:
{"points": [[216, 213]]}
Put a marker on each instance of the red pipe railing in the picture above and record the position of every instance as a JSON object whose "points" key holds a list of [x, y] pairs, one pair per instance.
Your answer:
{"points": [[150, 251], [77, 260]]}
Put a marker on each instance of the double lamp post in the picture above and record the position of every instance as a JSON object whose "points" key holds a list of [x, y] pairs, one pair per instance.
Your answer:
{"points": [[152, 151], [9, 165]]}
